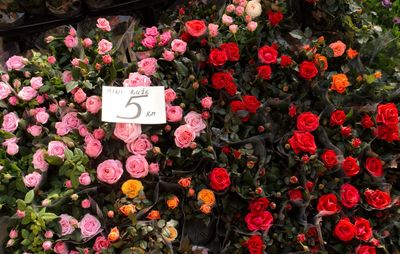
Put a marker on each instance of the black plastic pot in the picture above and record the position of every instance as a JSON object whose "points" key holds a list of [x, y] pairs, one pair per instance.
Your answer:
{"points": [[64, 8], [97, 4], [33, 7]]}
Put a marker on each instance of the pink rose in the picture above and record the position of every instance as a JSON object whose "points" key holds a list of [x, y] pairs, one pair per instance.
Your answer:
{"points": [[174, 113], [67, 77], [71, 120], [99, 133], [75, 62], [233, 28], [32, 180], [104, 46], [93, 104], [137, 166], [178, 46], [70, 41], [10, 122], [165, 38], [13, 233], [79, 96], [227, 20], [206, 102], [27, 93], [56, 148], [170, 95], [51, 60], [107, 59], [13, 100], [12, 149], [213, 29], [184, 135], [83, 130], [154, 168], [239, 11], [168, 55], [53, 108], [230, 8], [16, 63], [66, 224], [89, 226], [151, 32], [72, 31], [252, 26], [62, 128], [195, 121], [48, 234], [109, 171], [87, 43], [101, 243], [60, 248], [39, 161], [140, 146], [36, 82], [84, 179], [17, 83], [46, 245], [93, 148], [136, 79], [42, 117], [5, 77], [103, 24], [149, 42], [5, 90], [34, 130], [127, 132], [148, 66]]}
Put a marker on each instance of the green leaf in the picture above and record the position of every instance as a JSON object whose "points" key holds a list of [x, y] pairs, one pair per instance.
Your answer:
{"points": [[71, 85], [49, 217], [21, 205], [54, 160], [29, 196], [297, 34], [68, 154], [181, 68], [26, 242]]}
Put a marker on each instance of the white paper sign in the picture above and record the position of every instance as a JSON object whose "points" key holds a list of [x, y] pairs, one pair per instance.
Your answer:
{"points": [[141, 105]]}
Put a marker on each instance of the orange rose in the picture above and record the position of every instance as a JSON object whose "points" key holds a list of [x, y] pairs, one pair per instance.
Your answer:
{"points": [[351, 53], [153, 215], [173, 202], [378, 74], [127, 209], [321, 39], [132, 188], [207, 197], [338, 48], [321, 61], [185, 182], [169, 233], [360, 78], [339, 83], [113, 235], [191, 192], [206, 209]]}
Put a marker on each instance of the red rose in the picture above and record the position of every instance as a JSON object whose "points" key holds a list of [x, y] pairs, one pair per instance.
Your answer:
{"points": [[264, 71], [232, 51], [254, 244], [292, 110], [363, 229], [350, 166], [374, 166], [367, 122], [231, 88], [365, 249], [217, 57], [338, 117], [349, 195], [251, 103], [303, 142], [308, 70], [237, 106], [387, 132], [258, 205], [196, 28], [328, 204], [275, 17], [295, 195], [345, 131], [286, 61], [377, 199], [219, 179], [267, 55], [185, 37], [329, 159], [259, 221], [220, 79], [307, 121], [344, 230], [387, 114]]}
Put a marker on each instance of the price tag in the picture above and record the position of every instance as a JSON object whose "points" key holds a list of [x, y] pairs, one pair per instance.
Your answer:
{"points": [[141, 105]]}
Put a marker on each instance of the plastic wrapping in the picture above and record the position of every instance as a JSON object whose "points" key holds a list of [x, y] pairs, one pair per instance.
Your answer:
{"points": [[33, 7], [64, 8], [10, 14], [97, 4]]}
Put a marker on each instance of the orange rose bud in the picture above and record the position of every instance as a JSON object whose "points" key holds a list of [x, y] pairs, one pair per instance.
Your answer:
{"points": [[321, 39], [206, 209], [191, 192], [153, 215], [359, 78], [321, 61], [378, 74], [113, 235], [173, 202], [110, 214], [185, 182], [351, 53], [339, 83], [127, 209]]}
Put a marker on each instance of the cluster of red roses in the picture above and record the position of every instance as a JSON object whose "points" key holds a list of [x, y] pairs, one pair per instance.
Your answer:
{"points": [[302, 140], [259, 218]]}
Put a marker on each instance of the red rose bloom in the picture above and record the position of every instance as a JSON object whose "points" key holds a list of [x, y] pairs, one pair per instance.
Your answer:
{"points": [[231, 88], [303, 142], [237, 106], [295, 195], [308, 70], [259, 221], [350, 166], [292, 110], [251, 103], [267, 55], [232, 51], [365, 249], [367, 122], [345, 131], [349, 195], [363, 229], [374, 166], [307, 121], [337, 117], [220, 79], [258, 205], [254, 244], [328, 204], [377, 199], [387, 132], [219, 179], [275, 17], [387, 114], [264, 71], [329, 159], [217, 57], [195, 28], [344, 230], [286, 61]]}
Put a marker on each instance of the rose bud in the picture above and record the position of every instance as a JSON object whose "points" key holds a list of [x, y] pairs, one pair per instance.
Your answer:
{"points": [[154, 138], [259, 191], [272, 205], [301, 238], [305, 158], [293, 179], [193, 145], [110, 214], [345, 131], [191, 192], [261, 128], [356, 142]]}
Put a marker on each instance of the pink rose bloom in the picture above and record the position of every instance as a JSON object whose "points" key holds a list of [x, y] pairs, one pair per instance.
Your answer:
{"points": [[149, 42], [53, 107], [66, 224], [10, 122], [34, 130], [168, 55], [67, 77], [32, 180], [247, 18], [84, 179], [83, 131], [109, 171], [16, 63], [47, 245], [151, 32], [136, 79], [104, 46], [184, 135], [178, 46], [9, 141], [56, 148], [140, 146], [213, 29], [227, 20], [48, 234], [99, 133], [51, 60], [252, 26], [127, 132], [148, 66], [85, 203], [165, 38], [93, 104], [71, 120], [13, 100], [195, 121], [230, 8], [79, 96], [20, 214], [60, 248], [137, 166], [206, 102], [27, 93], [70, 41], [39, 161], [12, 149], [5, 77], [72, 31], [40, 99], [62, 128], [154, 168], [87, 43], [5, 90], [101, 243], [42, 117], [107, 59], [36, 82], [174, 113], [233, 28], [239, 10], [170, 95], [17, 83], [13, 233], [103, 24], [89, 226], [75, 62], [93, 148]]}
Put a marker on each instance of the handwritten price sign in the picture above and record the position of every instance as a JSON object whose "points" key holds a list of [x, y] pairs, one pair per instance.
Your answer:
{"points": [[141, 105]]}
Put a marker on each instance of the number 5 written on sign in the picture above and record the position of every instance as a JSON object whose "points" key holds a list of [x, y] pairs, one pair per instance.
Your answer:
{"points": [[131, 103]]}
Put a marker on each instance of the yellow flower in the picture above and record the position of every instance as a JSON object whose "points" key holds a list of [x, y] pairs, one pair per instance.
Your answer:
{"points": [[339, 83], [113, 235], [132, 188], [207, 197]]}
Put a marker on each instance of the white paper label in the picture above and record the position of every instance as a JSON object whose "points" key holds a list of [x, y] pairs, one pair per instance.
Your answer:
{"points": [[141, 105]]}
